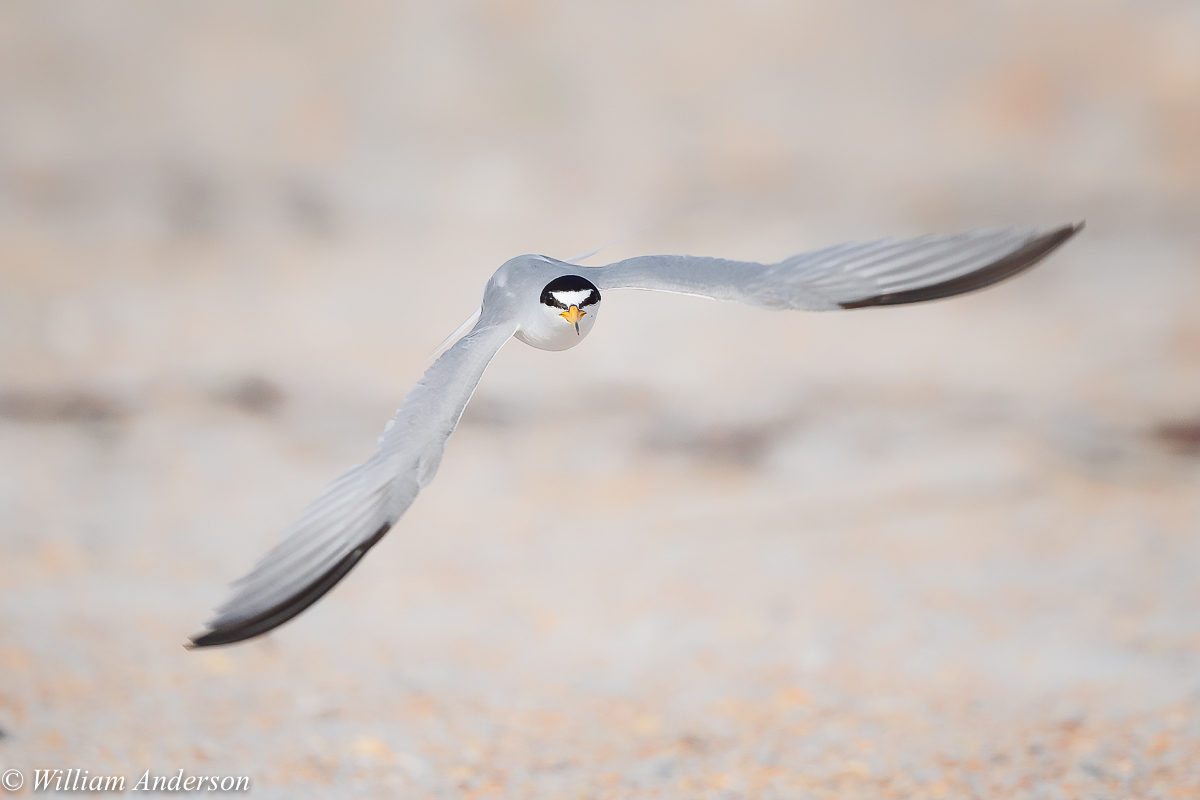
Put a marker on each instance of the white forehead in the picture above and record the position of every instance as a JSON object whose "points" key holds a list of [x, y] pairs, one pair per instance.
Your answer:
{"points": [[572, 298]]}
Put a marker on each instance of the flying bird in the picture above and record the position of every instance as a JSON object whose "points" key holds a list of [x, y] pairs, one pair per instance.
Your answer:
{"points": [[552, 305]]}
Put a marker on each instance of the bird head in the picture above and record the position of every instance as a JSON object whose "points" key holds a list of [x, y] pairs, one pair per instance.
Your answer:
{"points": [[572, 299]]}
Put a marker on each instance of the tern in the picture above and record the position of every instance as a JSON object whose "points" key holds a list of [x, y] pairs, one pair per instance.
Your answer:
{"points": [[553, 305]]}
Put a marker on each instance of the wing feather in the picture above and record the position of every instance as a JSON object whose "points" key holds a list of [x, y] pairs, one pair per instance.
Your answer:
{"points": [[355, 511], [851, 275]]}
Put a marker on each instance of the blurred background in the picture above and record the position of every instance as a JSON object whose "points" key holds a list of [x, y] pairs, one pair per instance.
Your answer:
{"points": [[937, 551]]}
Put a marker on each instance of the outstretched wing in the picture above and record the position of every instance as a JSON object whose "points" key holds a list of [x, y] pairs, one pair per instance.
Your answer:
{"points": [[357, 509], [853, 275]]}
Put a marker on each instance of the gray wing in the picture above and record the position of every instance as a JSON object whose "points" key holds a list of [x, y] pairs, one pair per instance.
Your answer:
{"points": [[357, 509], [853, 275]]}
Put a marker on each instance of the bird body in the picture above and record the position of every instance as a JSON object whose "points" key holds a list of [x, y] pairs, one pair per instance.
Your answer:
{"points": [[564, 296], [553, 305]]}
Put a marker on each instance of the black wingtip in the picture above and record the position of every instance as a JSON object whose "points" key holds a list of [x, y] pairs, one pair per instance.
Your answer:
{"points": [[275, 616], [1012, 264]]}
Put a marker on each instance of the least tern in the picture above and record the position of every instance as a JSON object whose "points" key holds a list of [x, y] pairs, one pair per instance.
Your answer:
{"points": [[553, 305]]}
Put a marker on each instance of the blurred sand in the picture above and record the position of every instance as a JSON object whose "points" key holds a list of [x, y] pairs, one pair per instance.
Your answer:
{"points": [[942, 551]]}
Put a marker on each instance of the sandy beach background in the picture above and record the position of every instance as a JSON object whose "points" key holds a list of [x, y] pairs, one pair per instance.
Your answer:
{"points": [[946, 551]]}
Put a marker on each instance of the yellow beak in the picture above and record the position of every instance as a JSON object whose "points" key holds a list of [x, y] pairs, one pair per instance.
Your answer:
{"points": [[573, 315]]}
